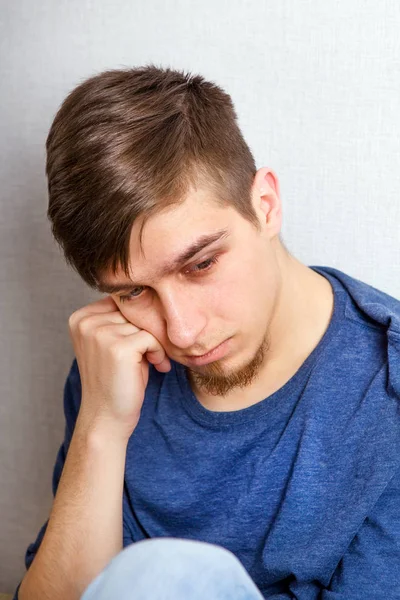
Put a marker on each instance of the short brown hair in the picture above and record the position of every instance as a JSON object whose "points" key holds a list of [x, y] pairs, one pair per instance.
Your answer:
{"points": [[129, 142]]}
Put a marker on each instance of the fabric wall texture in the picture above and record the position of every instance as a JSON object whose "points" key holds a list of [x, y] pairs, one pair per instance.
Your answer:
{"points": [[316, 87]]}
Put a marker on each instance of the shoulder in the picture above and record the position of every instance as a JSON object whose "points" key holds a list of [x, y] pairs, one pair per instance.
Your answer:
{"points": [[377, 312], [368, 304]]}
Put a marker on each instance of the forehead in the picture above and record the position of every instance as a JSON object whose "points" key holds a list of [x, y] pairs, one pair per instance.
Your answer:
{"points": [[172, 236], [171, 229]]}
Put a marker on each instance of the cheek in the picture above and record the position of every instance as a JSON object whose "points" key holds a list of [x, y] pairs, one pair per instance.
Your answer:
{"points": [[143, 319], [246, 297], [241, 282]]}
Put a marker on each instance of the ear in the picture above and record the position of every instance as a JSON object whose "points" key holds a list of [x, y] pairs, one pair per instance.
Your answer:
{"points": [[266, 200]]}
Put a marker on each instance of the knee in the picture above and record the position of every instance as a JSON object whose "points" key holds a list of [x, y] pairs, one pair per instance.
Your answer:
{"points": [[185, 567], [163, 552]]}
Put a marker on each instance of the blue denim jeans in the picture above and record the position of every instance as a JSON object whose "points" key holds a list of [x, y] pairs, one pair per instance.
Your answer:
{"points": [[173, 569]]}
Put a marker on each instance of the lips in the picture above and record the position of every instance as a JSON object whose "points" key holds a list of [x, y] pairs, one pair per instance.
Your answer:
{"points": [[215, 354], [205, 353]]}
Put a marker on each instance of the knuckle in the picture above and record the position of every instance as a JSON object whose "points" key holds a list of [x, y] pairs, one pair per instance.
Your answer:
{"points": [[102, 331], [145, 337], [84, 326], [72, 320], [116, 350]]}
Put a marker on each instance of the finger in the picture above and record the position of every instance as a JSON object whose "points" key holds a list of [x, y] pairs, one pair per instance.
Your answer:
{"points": [[113, 318], [157, 357], [154, 358], [103, 305], [144, 342], [163, 367]]}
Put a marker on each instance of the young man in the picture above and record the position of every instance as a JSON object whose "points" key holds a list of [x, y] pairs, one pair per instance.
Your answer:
{"points": [[232, 415]]}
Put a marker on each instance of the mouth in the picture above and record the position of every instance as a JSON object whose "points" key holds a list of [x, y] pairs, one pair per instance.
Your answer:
{"points": [[214, 354]]}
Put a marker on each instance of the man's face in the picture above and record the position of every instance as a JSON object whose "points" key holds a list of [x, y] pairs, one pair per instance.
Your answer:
{"points": [[226, 292]]}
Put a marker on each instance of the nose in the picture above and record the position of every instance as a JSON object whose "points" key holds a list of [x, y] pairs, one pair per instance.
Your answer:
{"points": [[184, 318]]}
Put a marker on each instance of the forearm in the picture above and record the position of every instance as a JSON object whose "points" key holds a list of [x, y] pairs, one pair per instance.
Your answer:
{"points": [[84, 531]]}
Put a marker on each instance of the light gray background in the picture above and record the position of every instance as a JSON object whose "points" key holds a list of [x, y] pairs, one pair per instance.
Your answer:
{"points": [[316, 86]]}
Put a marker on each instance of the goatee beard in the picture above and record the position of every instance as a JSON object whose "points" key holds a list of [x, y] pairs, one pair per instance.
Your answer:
{"points": [[216, 382]]}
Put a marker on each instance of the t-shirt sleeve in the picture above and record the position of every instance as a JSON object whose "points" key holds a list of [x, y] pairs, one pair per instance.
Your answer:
{"points": [[72, 399], [371, 566]]}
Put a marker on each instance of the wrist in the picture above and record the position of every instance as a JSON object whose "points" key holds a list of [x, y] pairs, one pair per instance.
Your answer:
{"points": [[101, 428]]}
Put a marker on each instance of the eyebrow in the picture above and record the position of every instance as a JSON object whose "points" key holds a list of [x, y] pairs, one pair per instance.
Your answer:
{"points": [[202, 242]]}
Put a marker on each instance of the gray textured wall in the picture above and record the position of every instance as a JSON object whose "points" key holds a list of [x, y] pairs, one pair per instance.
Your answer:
{"points": [[317, 88]]}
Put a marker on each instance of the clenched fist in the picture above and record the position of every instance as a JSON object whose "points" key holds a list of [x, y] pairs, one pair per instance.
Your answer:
{"points": [[113, 358]]}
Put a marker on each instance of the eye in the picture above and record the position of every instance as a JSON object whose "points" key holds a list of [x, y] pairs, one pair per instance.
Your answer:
{"points": [[135, 293], [205, 265]]}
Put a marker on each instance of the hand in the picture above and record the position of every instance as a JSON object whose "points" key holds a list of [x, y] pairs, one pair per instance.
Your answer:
{"points": [[113, 357]]}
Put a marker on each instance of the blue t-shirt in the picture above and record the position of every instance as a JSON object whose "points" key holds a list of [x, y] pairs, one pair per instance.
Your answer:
{"points": [[304, 486]]}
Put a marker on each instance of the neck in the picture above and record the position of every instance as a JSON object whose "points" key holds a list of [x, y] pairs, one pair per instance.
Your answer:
{"points": [[303, 311]]}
